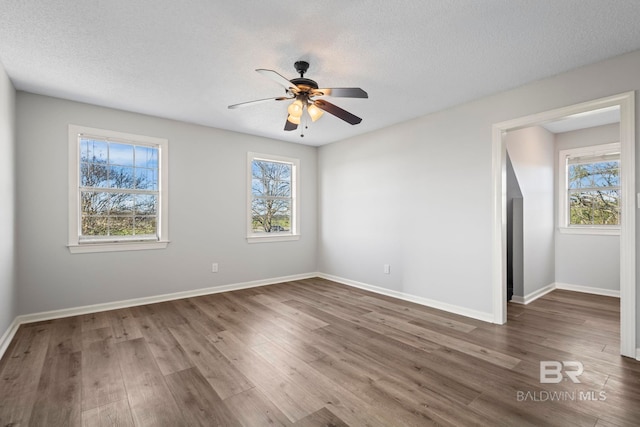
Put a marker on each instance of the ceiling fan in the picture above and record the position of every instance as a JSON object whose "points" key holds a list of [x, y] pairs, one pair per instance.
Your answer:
{"points": [[303, 92]]}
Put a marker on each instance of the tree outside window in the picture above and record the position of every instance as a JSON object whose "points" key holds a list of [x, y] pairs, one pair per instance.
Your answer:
{"points": [[589, 189], [118, 189], [118, 199], [271, 190], [594, 193], [272, 197]]}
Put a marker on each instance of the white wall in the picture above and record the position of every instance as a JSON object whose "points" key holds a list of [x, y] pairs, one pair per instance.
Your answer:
{"points": [[8, 295], [415, 196], [587, 260], [418, 195], [207, 211], [532, 153]]}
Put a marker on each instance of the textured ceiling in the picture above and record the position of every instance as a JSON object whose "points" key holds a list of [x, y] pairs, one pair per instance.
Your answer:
{"points": [[188, 60]]}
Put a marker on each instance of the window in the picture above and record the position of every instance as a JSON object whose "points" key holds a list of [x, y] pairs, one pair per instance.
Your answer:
{"points": [[272, 198], [118, 197], [590, 189]]}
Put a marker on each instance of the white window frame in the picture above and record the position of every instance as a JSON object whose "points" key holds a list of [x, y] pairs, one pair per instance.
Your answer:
{"points": [[76, 245], [563, 197], [294, 233]]}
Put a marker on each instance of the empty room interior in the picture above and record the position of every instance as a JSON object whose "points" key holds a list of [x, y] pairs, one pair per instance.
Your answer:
{"points": [[330, 214]]}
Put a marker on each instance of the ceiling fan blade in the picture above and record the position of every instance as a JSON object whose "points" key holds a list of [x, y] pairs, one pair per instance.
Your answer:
{"points": [[344, 92], [337, 111], [290, 126], [278, 78], [258, 101]]}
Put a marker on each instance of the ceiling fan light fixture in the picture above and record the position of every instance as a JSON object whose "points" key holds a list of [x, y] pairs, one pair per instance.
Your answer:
{"points": [[303, 92], [296, 109], [314, 112], [294, 119]]}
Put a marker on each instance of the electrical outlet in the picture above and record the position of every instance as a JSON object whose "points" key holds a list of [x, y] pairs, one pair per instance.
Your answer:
{"points": [[214, 267], [387, 269]]}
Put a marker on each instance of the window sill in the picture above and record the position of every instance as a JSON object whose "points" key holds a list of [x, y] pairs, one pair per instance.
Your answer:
{"points": [[272, 238], [602, 231], [116, 247]]}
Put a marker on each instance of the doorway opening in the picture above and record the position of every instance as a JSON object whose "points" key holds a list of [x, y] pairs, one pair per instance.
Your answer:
{"points": [[626, 104]]}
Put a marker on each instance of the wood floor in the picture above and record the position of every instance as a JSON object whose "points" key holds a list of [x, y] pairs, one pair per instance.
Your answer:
{"points": [[316, 353]]}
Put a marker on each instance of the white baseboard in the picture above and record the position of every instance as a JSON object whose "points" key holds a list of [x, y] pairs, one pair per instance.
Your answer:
{"points": [[529, 298], [8, 336], [95, 308], [588, 290], [564, 286], [451, 308]]}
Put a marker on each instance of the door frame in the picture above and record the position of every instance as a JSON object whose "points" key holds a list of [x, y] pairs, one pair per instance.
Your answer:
{"points": [[626, 102]]}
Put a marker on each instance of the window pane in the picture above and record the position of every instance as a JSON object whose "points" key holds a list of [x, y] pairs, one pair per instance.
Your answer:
{"points": [[606, 179], [112, 214], [259, 207], [283, 171], [95, 203], [84, 150], [271, 179], [580, 204], [145, 225], [93, 151], [282, 220], [257, 167], [589, 175], [580, 215], [596, 207], [578, 176], [120, 225], [121, 204], [145, 204], [146, 179], [94, 225], [121, 154], [121, 177], [93, 175], [146, 157], [280, 189], [607, 208], [257, 187], [270, 216]]}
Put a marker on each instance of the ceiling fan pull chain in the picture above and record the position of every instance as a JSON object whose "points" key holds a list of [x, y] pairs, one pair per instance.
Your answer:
{"points": [[305, 125]]}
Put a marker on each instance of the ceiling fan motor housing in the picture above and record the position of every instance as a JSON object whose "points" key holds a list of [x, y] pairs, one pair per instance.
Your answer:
{"points": [[304, 84], [301, 67], [301, 82]]}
